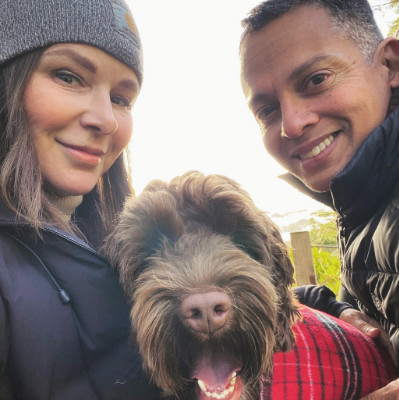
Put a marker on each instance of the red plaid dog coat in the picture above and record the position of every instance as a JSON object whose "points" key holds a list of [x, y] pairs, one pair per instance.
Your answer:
{"points": [[331, 361]]}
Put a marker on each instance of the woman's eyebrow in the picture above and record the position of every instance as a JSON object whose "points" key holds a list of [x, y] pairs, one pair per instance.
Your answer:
{"points": [[130, 84], [83, 61]]}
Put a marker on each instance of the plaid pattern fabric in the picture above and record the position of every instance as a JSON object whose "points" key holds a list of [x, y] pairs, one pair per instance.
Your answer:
{"points": [[331, 361]]}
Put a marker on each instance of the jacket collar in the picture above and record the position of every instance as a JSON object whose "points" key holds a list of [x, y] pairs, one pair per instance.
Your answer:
{"points": [[9, 220], [368, 180], [6, 215]]}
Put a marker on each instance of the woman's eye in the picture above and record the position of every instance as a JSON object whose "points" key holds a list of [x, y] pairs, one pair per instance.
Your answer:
{"points": [[121, 101], [67, 77]]}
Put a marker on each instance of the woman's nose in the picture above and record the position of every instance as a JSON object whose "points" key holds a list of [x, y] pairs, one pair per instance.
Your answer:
{"points": [[99, 115], [296, 117]]}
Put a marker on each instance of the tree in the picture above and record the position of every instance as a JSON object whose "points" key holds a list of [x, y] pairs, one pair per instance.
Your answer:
{"points": [[390, 7], [323, 228], [395, 25]]}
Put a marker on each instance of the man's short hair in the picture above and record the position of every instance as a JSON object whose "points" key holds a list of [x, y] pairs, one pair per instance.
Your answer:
{"points": [[354, 20]]}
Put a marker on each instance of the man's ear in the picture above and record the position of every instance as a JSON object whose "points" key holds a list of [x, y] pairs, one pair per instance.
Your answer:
{"points": [[389, 50]]}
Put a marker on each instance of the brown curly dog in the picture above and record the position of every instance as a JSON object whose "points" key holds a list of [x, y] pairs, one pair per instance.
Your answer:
{"points": [[209, 278]]}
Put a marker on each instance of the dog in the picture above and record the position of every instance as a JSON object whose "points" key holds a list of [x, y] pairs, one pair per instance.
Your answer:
{"points": [[213, 311]]}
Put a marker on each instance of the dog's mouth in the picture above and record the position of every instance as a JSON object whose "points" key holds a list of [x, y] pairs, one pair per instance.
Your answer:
{"points": [[217, 377], [230, 390]]}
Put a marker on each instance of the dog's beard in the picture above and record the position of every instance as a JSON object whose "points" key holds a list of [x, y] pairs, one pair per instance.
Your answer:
{"points": [[173, 353], [230, 364], [176, 358]]}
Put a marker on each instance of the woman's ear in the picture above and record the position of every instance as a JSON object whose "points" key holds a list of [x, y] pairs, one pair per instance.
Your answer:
{"points": [[390, 55]]}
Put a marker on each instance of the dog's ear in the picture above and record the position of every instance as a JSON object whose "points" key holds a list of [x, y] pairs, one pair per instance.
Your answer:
{"points": [[145, 223]]}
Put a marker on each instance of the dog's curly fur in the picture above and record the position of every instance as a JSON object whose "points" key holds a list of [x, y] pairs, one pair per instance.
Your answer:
{"points": [[195, 234]]}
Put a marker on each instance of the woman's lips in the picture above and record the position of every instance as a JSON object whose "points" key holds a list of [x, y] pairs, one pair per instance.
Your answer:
{"points": [[85, 155]]}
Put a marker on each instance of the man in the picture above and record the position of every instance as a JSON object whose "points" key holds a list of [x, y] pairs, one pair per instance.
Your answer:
{"points": [[320, 80]]}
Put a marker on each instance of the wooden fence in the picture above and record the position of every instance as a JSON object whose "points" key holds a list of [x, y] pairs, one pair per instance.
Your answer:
{"points": [[303, 259]]}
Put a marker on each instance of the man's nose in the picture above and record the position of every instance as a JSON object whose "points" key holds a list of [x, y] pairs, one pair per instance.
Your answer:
{"points": [[99, 114], [296, 116]]}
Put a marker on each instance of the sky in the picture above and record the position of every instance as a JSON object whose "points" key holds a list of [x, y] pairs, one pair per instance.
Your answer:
{"points": [[191, 113]]}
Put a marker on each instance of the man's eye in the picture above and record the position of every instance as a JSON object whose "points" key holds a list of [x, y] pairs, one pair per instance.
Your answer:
{"points": [[318, 79], [265, 113], [316, 83]]}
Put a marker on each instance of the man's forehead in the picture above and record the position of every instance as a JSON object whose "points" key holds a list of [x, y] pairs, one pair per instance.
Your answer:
{"points": [[291, 42], [308, 18]]}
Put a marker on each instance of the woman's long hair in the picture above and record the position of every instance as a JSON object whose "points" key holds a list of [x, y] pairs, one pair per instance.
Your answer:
{"points": [[22, 187]]}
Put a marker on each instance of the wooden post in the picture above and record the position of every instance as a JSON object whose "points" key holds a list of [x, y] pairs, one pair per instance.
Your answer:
{"points": [[303, 259]]}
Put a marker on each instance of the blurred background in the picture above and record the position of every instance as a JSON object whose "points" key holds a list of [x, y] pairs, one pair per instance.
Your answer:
{"points": [[191, 113]]}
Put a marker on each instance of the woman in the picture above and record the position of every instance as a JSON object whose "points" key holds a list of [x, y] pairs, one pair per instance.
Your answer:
{"points": [[70, 72]]}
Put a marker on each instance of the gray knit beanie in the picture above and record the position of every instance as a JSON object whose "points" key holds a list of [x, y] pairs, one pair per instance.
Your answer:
{"points": [[108, 24]]}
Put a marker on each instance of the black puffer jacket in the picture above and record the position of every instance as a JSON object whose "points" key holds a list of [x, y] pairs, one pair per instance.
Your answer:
{"points": [[366, 197], [64, 321]]}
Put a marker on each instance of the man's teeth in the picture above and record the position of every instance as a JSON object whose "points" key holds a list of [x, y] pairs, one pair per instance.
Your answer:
{"points": [[218, 395], [318, 149]]}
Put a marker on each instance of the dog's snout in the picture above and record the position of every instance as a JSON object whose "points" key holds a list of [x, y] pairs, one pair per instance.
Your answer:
{"points": [[206, 312]]}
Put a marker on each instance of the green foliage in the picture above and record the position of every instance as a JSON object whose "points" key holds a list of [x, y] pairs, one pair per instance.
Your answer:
{"points": [[323, 228], [323, 236], [327, 267], [394, 4], [388, 7]]}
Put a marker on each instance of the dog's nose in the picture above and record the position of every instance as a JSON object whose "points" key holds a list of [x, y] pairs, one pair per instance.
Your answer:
{"points": [[206, 312]]}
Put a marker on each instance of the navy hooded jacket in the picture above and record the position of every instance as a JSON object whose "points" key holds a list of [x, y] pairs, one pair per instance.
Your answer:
{"points": [[64, 321], [365, 195]]}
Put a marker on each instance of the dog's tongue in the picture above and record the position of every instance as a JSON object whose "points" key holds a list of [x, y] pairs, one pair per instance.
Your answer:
{"points": [[216, 376]]}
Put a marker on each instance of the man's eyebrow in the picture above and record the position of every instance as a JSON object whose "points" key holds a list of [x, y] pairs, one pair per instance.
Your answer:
{"points": [[307, 64], [257, 99], [83, 61]]}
